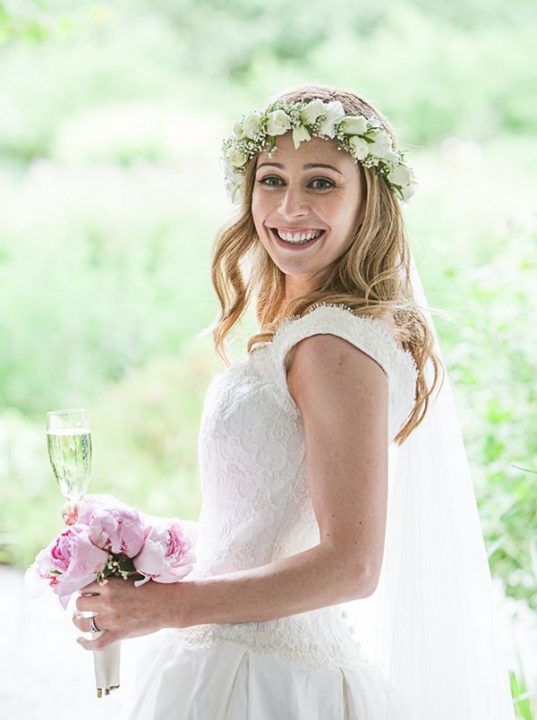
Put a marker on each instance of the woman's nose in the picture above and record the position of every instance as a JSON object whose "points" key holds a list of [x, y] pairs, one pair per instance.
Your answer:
{"points": [[293, 202]]}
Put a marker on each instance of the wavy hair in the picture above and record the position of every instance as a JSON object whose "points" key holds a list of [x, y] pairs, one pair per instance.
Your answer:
{"points": [[372, 277]]}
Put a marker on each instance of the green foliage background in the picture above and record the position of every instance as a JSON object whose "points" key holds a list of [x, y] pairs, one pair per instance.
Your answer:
{"points": [[111, 193]]}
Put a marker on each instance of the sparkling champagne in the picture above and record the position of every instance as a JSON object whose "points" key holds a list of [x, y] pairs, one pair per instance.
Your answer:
{"points": [[69, 450]]}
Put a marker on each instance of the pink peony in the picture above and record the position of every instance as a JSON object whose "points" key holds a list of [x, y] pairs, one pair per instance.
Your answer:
{"points": [[69, 563], [114, 526], [89, 504], [166, 555], [107, 539]]}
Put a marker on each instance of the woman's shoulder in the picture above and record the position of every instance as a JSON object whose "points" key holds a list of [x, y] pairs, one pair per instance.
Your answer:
{"points": [[377, 335]]}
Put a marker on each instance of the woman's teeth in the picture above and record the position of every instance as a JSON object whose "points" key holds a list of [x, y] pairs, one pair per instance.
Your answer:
{"points": [[298, 238]]}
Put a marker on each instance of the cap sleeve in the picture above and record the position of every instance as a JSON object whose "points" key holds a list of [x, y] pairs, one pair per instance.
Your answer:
{"points": [[372, 336]]}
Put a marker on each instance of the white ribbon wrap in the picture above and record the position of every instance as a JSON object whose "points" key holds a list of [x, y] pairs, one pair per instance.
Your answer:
{"points": [[106, 663]]}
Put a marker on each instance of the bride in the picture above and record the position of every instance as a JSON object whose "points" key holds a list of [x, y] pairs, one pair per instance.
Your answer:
{"points": [[333, 473]]}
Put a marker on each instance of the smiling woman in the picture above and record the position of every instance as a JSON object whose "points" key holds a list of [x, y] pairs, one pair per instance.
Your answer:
{"points": [[302, 514]]}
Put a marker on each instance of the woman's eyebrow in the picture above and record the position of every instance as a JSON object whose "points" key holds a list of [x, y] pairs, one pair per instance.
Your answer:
{"points": [[307, 166]]}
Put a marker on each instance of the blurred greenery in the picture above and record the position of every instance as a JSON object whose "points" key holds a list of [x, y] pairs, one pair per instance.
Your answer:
{"points": [[111, 193]]}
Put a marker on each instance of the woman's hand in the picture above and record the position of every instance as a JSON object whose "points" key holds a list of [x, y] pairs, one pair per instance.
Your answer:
{"points": [[122, 610]]}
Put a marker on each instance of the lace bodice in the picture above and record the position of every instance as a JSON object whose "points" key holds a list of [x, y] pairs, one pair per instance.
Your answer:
{"points": [[256, 506]]}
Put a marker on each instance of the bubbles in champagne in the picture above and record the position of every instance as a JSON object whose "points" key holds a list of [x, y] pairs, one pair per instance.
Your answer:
{"points": [[69, 451]]}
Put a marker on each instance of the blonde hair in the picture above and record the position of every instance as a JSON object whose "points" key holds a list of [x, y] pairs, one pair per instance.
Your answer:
{"points": [[372, 277]]}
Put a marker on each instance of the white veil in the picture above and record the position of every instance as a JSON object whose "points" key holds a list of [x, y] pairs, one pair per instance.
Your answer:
{"points": [[432, 619]]}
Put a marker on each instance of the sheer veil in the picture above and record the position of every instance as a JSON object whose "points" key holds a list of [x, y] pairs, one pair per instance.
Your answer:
{"points": [[430, 625]]}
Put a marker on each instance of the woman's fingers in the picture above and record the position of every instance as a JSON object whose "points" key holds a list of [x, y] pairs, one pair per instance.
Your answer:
{"points": [[82, 622]]}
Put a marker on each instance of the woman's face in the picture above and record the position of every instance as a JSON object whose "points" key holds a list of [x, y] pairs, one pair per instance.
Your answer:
{"points": [[313, 192]]}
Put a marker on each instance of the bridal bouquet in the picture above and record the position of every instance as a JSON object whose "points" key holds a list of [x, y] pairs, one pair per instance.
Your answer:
{"points": [[109, 538]]}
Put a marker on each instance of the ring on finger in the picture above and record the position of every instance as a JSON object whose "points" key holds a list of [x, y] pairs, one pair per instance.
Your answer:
{"points": [[93, 624]]}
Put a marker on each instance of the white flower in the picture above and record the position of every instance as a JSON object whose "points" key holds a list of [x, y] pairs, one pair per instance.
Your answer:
{"points": [[238, 130], [233, 174], [334, 112], [400, 175], [300, 133], [312, 111], [376, 149], [233, 183], [359, 147], [353, 125], [409, 190], [381, 145], [233, 190], [278, 122], [391, 156], [236, 157], [251, 124]]}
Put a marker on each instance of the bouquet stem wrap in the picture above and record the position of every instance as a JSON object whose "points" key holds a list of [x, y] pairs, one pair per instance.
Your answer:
{"points": [[106, 663]]}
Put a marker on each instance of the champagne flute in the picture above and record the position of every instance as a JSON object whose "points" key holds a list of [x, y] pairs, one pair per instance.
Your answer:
{"points": [[69, 450]]}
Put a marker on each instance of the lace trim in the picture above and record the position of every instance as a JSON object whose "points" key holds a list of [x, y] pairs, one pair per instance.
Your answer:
{"points": [[308, 643], [383, 327]]}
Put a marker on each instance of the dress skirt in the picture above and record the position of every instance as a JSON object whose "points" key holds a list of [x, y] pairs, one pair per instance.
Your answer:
{"points": [[176, 681]]}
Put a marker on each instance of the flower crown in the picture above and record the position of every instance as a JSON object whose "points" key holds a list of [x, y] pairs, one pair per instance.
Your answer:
{"points": [[365, 139]]}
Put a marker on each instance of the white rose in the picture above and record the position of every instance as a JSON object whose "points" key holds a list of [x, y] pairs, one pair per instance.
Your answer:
{"points": [[400, 175], [354, 125], [278, 122], [391, 156], [381, 145], [238, 130], [334, 112], [251, 124], [236, 157], [359, 147], [233, 189], [233, 183], [300, 133], [312, 111], [234, 176], [409, 190]]}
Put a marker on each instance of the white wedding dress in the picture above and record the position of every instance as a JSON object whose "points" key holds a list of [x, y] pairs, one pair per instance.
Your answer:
{"points": [[256, 509]]}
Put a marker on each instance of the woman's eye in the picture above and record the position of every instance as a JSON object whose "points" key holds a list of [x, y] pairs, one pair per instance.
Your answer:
{"points": [[328, 183], [267, 180]]}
